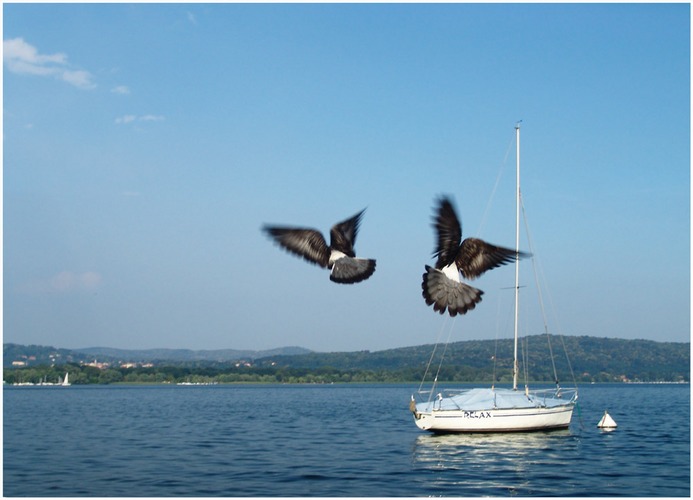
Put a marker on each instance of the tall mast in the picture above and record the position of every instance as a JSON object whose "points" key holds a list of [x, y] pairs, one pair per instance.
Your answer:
{"points": [[516, 368]]}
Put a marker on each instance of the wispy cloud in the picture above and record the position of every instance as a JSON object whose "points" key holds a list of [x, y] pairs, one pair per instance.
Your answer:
{"points": [[151, 118], [191, 18], [122, 120], [125, 119], [121, 89], [23, 58], [64, 282]]}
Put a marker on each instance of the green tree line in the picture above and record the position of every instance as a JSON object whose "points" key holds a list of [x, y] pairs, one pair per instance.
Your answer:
{"points": [[592, 359], [79, 374]]}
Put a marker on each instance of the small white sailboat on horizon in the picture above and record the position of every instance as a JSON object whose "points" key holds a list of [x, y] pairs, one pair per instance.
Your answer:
{"points": [[494, 409], [66, 381]]}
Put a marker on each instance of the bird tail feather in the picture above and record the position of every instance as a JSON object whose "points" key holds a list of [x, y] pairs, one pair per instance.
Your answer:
{"points": [[349, 270], [443, 293]]}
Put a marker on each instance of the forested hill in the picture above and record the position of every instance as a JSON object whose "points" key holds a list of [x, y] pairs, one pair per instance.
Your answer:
{"points": [[36, 354], [593, 359]]}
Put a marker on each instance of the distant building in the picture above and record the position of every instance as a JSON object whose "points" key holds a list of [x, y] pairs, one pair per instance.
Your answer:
{"points": [[135, 365], [96, 364]]}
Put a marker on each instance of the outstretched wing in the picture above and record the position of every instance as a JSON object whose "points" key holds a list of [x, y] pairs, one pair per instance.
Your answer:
{"points": [[343, 234], [449, 232], [306, 243], [476, 257]]}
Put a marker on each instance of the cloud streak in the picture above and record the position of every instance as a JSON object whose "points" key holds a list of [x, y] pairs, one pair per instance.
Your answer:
{"points": [[24, 59], [125, 119], [121, 89]]}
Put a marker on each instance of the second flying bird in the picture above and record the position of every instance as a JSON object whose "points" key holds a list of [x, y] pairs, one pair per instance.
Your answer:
{"points": [[339, 256]]}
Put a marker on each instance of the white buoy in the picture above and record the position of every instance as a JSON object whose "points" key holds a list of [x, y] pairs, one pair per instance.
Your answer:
{"points": [[607, 422]]}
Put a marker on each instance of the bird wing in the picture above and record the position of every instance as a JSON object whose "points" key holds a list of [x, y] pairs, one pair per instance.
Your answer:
{"points": [[449, 233], [475, 257], [343, 234], [306, 243]]}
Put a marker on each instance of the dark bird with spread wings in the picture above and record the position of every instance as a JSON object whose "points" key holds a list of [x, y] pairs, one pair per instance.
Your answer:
{"points": [[442, 286], [339, 256]]}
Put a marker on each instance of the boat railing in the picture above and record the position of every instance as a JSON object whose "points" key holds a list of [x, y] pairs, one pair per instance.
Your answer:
{"points": [[426, 395], [569, 395], [435, 396]]}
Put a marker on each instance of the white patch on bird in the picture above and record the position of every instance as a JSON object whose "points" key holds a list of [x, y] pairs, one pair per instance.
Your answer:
{"points": [[452, 272], [335, 255]]}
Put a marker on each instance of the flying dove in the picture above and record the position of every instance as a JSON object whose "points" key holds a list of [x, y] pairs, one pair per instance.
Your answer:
{"points": [[339, 256], [442, 286]]}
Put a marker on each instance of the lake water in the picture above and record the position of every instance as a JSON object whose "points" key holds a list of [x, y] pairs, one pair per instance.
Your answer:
{"points": [[332, 440]]}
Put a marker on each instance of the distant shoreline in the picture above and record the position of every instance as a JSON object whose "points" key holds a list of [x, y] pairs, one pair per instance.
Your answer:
{"points": [[212, 384], [591, 359]]}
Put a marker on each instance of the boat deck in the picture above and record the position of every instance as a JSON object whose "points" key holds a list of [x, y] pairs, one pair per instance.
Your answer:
{"points": [[487, 399]]}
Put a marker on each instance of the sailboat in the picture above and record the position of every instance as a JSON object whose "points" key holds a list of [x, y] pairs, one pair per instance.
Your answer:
{"points": [[491, 409], [66, 381]]}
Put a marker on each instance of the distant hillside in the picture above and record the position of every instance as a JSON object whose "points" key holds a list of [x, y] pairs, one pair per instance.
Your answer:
{"points": [[36, 355], [218, 355], [591, 358]]}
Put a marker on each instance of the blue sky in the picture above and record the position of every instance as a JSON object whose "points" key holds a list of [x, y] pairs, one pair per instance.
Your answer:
{"points": [[146, 145]]}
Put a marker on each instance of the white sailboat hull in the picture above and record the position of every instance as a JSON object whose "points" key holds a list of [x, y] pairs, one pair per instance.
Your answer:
{"points": [[489, 410], [509, 420]]}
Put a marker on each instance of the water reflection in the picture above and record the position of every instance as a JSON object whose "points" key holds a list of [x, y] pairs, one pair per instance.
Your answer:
{"points": [[493, 464]]}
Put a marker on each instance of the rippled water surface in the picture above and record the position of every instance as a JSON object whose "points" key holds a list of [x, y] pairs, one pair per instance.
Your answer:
{"points": [[336, 440]]}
